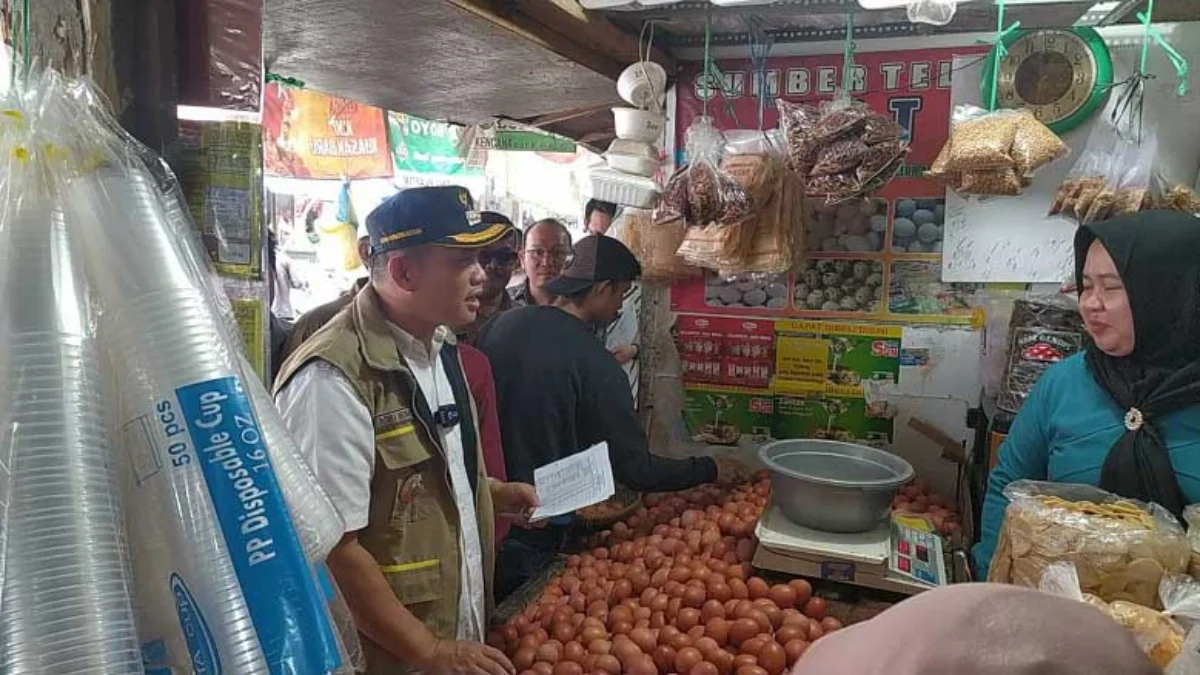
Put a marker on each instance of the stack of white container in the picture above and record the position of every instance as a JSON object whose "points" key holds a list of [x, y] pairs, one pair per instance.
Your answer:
{"points": [[633, 158]]}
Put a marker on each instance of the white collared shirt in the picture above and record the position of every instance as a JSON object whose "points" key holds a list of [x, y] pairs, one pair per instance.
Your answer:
{"points": [[334, 430]]}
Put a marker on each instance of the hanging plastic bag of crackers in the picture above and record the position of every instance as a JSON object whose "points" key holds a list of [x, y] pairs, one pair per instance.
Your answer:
{"points": [[700, 193]]}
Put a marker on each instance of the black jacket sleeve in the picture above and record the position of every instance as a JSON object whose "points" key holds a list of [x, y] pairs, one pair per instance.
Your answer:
{"points": [[609, 404]]}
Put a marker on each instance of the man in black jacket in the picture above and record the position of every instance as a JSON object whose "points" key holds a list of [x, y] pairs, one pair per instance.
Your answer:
{"points": [[560, 391]]}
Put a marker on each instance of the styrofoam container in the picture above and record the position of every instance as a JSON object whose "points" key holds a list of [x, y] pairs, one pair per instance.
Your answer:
{"points": [[639, 125], [644, 85], [623, 189], [631, 164]]}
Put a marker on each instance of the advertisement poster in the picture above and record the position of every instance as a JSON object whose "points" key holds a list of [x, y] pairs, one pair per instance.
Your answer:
{"points": [[426, 146], [876, 259], [220, 166], [751, 380], [307, 134]]}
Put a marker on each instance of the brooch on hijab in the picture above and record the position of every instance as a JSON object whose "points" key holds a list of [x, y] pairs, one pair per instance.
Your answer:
{"points": [[1134, 419]]}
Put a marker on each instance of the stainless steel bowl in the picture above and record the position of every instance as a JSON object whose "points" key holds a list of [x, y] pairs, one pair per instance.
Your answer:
{"points": [[833, 486]]}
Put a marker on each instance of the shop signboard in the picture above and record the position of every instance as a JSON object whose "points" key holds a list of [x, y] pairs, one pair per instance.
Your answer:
{"points": [[523, 140], [876, 259], [427, 146], [307, 134]]}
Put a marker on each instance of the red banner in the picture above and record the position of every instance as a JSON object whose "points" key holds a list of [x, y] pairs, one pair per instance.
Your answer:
{"points": [[307, 134], [875, 260], [912, 85]]}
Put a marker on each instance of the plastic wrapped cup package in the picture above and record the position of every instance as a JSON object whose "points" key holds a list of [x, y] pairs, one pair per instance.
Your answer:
{"points": [[66, 605], [223, 582]]}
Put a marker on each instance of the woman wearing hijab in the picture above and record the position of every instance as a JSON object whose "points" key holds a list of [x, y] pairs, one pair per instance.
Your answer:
{"points": [[1125, 414], [980, 629]]}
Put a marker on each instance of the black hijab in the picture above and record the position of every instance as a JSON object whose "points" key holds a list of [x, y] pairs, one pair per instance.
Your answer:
{"points": [[1157, 254]]}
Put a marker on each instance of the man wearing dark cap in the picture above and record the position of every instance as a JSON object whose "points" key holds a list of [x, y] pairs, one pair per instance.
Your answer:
{"points": [[379, 405], [560, 392]]}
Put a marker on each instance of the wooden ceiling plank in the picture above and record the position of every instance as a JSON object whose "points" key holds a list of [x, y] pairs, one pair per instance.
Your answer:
{"points": [[593, 30], [564, 116]]}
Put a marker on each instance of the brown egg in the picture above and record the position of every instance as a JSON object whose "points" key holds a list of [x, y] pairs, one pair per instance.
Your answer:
{"points": [[622, 589], [573, 651], [708, 647], [772, 658], [783, 596], [789, 632], [644, 638], [742, 609], [737, 588], [524, 658], [830, 624], [743, 660], [712, 609], [599, 647], [664, 658], [543, 668], [658, 620], [742, 630], [563, 631], [681, 641], [745, 550], [738, 571], [724, 662], [793, 616], [667, 634], [815, 631], [687, 619], [608, 664], [686, 659], [815, 608], [761, 620], [620, 613], [567, 668], [717, 629], [659, 602], [550, 652], [642, 665], [705, 668], [794, 649], [754, 645], [693, 597], [625, 650], [758, 588], [680, 573], [774, 614]]}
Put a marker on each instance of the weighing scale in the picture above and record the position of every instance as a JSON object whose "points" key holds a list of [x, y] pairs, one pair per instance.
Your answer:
{"points": [[861, 559]]}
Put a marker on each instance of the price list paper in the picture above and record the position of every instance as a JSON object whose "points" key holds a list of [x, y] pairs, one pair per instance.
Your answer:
{"points": [[574, 482]]}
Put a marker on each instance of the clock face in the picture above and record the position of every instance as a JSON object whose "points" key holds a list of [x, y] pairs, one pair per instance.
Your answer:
{"points": [[1061, 76]]}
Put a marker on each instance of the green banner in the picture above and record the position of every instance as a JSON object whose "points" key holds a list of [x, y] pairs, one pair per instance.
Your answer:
{"points": [[426, 146]]}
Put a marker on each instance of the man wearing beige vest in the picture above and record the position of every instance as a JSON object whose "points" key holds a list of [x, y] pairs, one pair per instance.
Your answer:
{"points": [[378, 402]]}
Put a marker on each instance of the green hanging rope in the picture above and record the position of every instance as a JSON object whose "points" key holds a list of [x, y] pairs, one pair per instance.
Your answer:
{"points": [[848, 55], [286, 81], [1150, 33], [708, 75], [999, 50]]}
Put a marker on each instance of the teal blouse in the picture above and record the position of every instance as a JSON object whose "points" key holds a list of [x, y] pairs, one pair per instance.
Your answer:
{"points": [[1063, 434]]}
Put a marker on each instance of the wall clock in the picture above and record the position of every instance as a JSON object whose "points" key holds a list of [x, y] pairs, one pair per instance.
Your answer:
{"points": [[1062, 75]]}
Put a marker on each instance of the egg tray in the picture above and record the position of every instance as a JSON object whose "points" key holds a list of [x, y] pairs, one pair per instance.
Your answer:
{"points": [[528, 592]]}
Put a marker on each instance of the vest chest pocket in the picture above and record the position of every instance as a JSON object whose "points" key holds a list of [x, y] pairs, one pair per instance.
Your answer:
{"points": [[411, 466]]}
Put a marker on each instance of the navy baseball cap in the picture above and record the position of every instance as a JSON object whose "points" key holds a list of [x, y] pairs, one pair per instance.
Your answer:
{"points": [[442, 215], [596, 258]]}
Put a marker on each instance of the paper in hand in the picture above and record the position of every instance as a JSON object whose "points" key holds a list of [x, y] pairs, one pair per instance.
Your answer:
{"points": [[574, 482]]}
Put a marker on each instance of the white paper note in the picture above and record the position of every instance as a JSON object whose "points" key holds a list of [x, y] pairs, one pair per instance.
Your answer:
{"points": [[569, 484]]}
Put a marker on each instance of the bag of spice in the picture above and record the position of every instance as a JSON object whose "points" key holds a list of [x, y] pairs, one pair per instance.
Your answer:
{"points": [[981, 139]]}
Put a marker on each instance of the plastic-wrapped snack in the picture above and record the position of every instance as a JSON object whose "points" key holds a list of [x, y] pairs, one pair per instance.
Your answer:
{"points": [[835, 187], [839, 157], [840, 118], [1002, 182], [1041, 332], [878, 157], [735, 203], [1159, 633], [797, 122], [1088, 175], [1129, 179], [1034, 145], [703, 192], [880, 129], [673, 205], [1120, 548], [981, 140], [939, 168]]}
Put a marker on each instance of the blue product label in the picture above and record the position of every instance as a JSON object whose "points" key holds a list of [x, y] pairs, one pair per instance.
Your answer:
{"points": [[286, 607], [205, 660]]}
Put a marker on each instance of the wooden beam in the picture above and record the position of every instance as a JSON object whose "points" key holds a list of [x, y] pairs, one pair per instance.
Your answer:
{"points": [[564, 115], [521, 24], [591, 29]]}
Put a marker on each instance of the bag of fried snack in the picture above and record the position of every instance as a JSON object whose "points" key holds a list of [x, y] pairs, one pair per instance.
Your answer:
{"points": [[1088, 176], [1127, 189], [1120, 547], [1160, 634]]}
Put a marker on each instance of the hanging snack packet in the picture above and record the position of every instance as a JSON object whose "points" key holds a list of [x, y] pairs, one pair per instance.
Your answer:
{"points": [[981, 140], [1087, 177], [1127, 189], [797, 122], [1034, 145], [1002, 182]]}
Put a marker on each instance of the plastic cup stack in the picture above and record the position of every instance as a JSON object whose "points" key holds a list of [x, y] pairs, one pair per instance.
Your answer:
{"points": [[163, 334], [313, 514], [66, 604]]}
